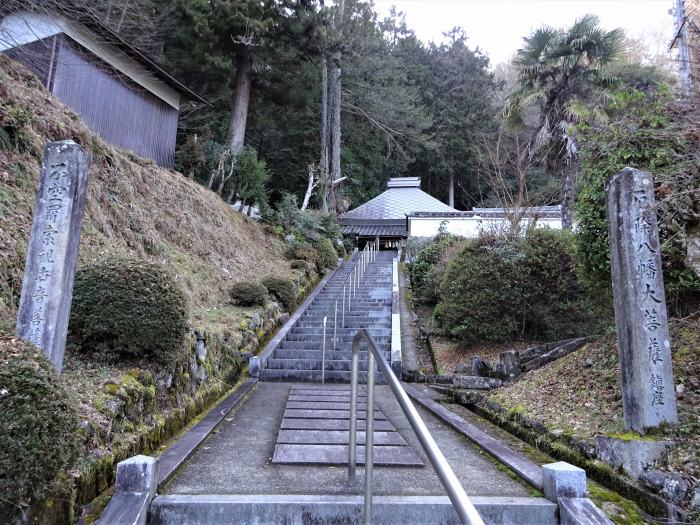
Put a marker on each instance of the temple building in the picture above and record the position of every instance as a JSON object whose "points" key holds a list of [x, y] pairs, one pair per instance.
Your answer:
{"points": [[404, 210]]}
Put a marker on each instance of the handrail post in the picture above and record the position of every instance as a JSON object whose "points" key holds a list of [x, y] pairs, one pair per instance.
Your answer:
{"points": [[369, 438], [323, 353], [460, 501], [335, 325], [352, 443]]}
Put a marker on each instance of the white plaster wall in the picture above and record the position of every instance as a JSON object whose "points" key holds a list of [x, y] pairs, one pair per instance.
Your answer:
{"points": [[469, 227], [24, 27]]}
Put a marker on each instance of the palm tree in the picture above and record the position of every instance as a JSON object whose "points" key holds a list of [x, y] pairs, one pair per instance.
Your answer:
{"points": [[562, 74]]}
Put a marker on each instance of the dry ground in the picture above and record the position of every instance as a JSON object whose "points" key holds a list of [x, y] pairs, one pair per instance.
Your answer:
{"points": [[134, 207]]}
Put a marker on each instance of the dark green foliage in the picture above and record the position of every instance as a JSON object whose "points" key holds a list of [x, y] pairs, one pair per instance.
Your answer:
{"points": [[425, 280], [299, 264], [327, 256], [282, 289], [644, 133], [480, 293], [247, 293], [38, 427], [128, 306], [301, 250], [498, 289]]}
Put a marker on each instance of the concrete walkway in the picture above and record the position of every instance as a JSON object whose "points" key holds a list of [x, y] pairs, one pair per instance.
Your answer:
{"points": [[237, 458]]}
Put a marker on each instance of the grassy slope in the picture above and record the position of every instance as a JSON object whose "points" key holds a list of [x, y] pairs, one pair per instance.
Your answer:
{"points": [[133, 206], [580, 393]]}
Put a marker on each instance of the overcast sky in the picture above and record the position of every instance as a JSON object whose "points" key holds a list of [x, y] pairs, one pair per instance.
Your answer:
{"points": [[498, 26]]}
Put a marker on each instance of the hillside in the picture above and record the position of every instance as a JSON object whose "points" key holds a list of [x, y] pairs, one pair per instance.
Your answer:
{"points": [[133, 206], [128, 406]]}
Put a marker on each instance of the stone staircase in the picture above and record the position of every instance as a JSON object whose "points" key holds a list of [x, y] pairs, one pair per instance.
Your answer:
{"points": [[298, 357]]}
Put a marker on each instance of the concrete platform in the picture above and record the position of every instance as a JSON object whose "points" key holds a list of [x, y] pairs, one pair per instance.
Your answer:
{"points": [[237, 458], [343, 510]]}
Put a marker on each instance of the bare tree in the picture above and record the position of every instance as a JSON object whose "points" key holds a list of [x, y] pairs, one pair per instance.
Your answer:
{"points": [[506, 164]]}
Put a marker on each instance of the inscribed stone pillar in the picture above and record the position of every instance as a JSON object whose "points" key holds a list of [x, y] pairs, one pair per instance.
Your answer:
{"points": [[49, 270], [648, 392]]}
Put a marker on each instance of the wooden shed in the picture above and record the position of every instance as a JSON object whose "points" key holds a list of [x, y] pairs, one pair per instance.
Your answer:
{"points": [[121, 93]]}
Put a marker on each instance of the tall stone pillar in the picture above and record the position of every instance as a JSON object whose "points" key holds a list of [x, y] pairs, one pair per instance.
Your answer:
{"points": [[49, 271], [648, 393]]}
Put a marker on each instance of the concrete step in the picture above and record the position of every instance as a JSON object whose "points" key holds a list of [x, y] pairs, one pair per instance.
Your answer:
{"points": [[315, 337], [345, 334], [304, 454], [312, 364], [314, 376], [291, 353], [332, 510]]}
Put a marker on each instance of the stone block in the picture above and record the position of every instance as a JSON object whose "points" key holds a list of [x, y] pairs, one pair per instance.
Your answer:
{"points": [[49, 270], [476, 382], [648, 389], [581, 511], [510, 361], [136, 485], [671, 485], [632, 456], [562, 480], [137, 474]]}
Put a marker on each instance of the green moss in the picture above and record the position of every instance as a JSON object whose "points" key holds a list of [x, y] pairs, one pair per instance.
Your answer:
{"points": [[631, 436], [629, 514], [517, 409]]}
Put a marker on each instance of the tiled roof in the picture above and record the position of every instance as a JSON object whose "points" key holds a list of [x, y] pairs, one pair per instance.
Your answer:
{"points": [[535, 211], [395, 203], [374, 230]]}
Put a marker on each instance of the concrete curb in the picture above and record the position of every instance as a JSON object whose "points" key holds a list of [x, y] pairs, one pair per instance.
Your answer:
{"points": [[526, 469], [395, 320], [258, 361], [180, 451], [302, 509], [136, 485]]}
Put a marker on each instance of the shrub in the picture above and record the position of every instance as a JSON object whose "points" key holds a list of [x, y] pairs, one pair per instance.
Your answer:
{"points": [[247, 293], [480, 292], [38, 425], [282, 289], [128, 306], [428, 266], [327, 256], [301, 250], [298, 264], [500, 288]]}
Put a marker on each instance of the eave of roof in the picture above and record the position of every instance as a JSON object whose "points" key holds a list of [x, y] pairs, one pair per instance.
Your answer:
{"points": [[140, 56]]}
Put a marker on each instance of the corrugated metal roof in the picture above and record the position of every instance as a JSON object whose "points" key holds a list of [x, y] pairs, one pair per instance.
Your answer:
{"points": [[374, 230], [396, 203]]}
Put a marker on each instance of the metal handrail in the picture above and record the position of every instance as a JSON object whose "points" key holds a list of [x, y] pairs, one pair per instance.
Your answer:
{"points": [[368, 254], [460, 501]]}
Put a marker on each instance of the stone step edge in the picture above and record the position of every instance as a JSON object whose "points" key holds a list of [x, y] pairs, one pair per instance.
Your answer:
{"points": [[417, 510], [525, 468]]}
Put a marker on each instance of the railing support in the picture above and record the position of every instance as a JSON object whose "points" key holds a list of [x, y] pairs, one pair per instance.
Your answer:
{"points": [[460, 501], [335, 326], [323, 353]]}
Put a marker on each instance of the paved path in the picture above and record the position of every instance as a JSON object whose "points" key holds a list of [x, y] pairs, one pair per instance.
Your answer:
{"points": [[237, 458]]}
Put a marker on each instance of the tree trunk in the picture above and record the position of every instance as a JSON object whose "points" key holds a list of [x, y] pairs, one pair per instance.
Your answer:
{"points": [[452, 190], [325, 129], [568, 192], [335, 105], [241, 101], [309, 189]]}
